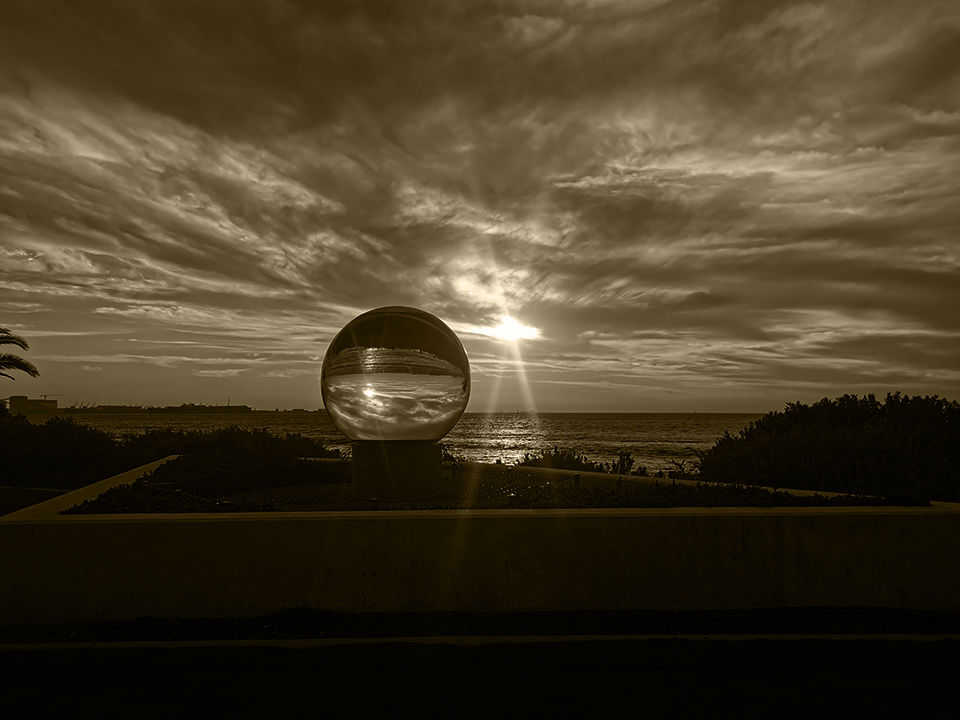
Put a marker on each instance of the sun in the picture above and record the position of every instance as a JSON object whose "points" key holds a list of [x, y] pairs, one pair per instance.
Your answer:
{"points": [[510, 329]]}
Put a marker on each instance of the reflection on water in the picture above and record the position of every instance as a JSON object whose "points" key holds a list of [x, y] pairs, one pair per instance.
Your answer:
{"points": [[396, 406], [653, 439]]}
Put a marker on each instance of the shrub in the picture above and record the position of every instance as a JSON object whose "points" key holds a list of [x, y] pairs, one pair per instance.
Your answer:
{"points": [[59, 453], [66, 454], [156, 444], [562, 460], [907, 447]]}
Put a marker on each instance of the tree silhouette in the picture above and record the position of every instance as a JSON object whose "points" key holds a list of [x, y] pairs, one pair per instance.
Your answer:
{"points": [[15, 362]]}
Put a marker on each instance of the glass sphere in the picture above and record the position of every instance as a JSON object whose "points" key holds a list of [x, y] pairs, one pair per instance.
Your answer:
{"points": [[395, 373]]}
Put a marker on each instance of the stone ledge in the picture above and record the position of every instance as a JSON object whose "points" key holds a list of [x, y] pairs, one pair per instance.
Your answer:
{"points": [[60, 568]]}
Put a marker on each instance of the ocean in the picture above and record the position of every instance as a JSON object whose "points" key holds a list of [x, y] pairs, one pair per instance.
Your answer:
{"points": [[652, 439]]}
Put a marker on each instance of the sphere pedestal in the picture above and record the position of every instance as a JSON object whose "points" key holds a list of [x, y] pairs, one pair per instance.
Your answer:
{"points": [[395, 470]]}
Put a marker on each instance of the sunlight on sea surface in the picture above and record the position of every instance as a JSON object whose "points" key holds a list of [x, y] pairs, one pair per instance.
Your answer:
{"points": [[653, 439]]}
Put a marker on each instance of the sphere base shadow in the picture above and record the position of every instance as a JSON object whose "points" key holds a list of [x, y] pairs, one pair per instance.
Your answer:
{"points": [[395, 471]]}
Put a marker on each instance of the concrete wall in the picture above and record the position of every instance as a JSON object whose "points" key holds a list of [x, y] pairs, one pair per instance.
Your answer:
{"points": [[57, 568]]}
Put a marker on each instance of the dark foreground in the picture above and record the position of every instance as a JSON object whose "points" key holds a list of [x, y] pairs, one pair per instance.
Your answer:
{"points": [[306, 623], [480, 664], [653, 678]]}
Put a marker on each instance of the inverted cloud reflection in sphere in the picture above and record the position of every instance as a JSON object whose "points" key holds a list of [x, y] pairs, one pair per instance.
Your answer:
{"points": [[395, 373]]}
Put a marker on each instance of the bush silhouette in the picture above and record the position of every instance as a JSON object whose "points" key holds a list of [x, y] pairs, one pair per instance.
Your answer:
{"points": [[558, 459], [62, 453], [903, 447]]}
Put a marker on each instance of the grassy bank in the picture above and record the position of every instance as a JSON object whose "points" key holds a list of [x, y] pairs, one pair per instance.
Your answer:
{"points": [[214, 482]]}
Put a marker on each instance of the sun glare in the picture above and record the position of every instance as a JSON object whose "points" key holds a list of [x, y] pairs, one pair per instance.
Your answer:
{"points": [[510, 329]]}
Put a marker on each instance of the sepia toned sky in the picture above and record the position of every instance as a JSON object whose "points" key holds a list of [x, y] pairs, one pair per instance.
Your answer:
{"points": [[700, 205]]}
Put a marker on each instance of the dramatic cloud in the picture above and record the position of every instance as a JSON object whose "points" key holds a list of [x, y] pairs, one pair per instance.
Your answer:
{"points": [[703, 204]]}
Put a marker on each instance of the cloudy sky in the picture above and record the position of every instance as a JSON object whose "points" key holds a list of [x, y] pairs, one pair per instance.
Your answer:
{"points": [[698, 204]]}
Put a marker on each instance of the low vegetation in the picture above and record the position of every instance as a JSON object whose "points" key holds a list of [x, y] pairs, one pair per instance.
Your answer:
{"points": [[213, 481], [672, 494], [62, 453], [558, 459], [906, 447], [904, 450]]}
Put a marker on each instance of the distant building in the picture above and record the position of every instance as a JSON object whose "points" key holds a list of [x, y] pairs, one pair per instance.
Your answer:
{"points": [[190, 408], [22, 405]]}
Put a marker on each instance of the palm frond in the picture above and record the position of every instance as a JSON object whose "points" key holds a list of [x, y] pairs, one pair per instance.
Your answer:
{"points": [[8, 338], [14, 362]]}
